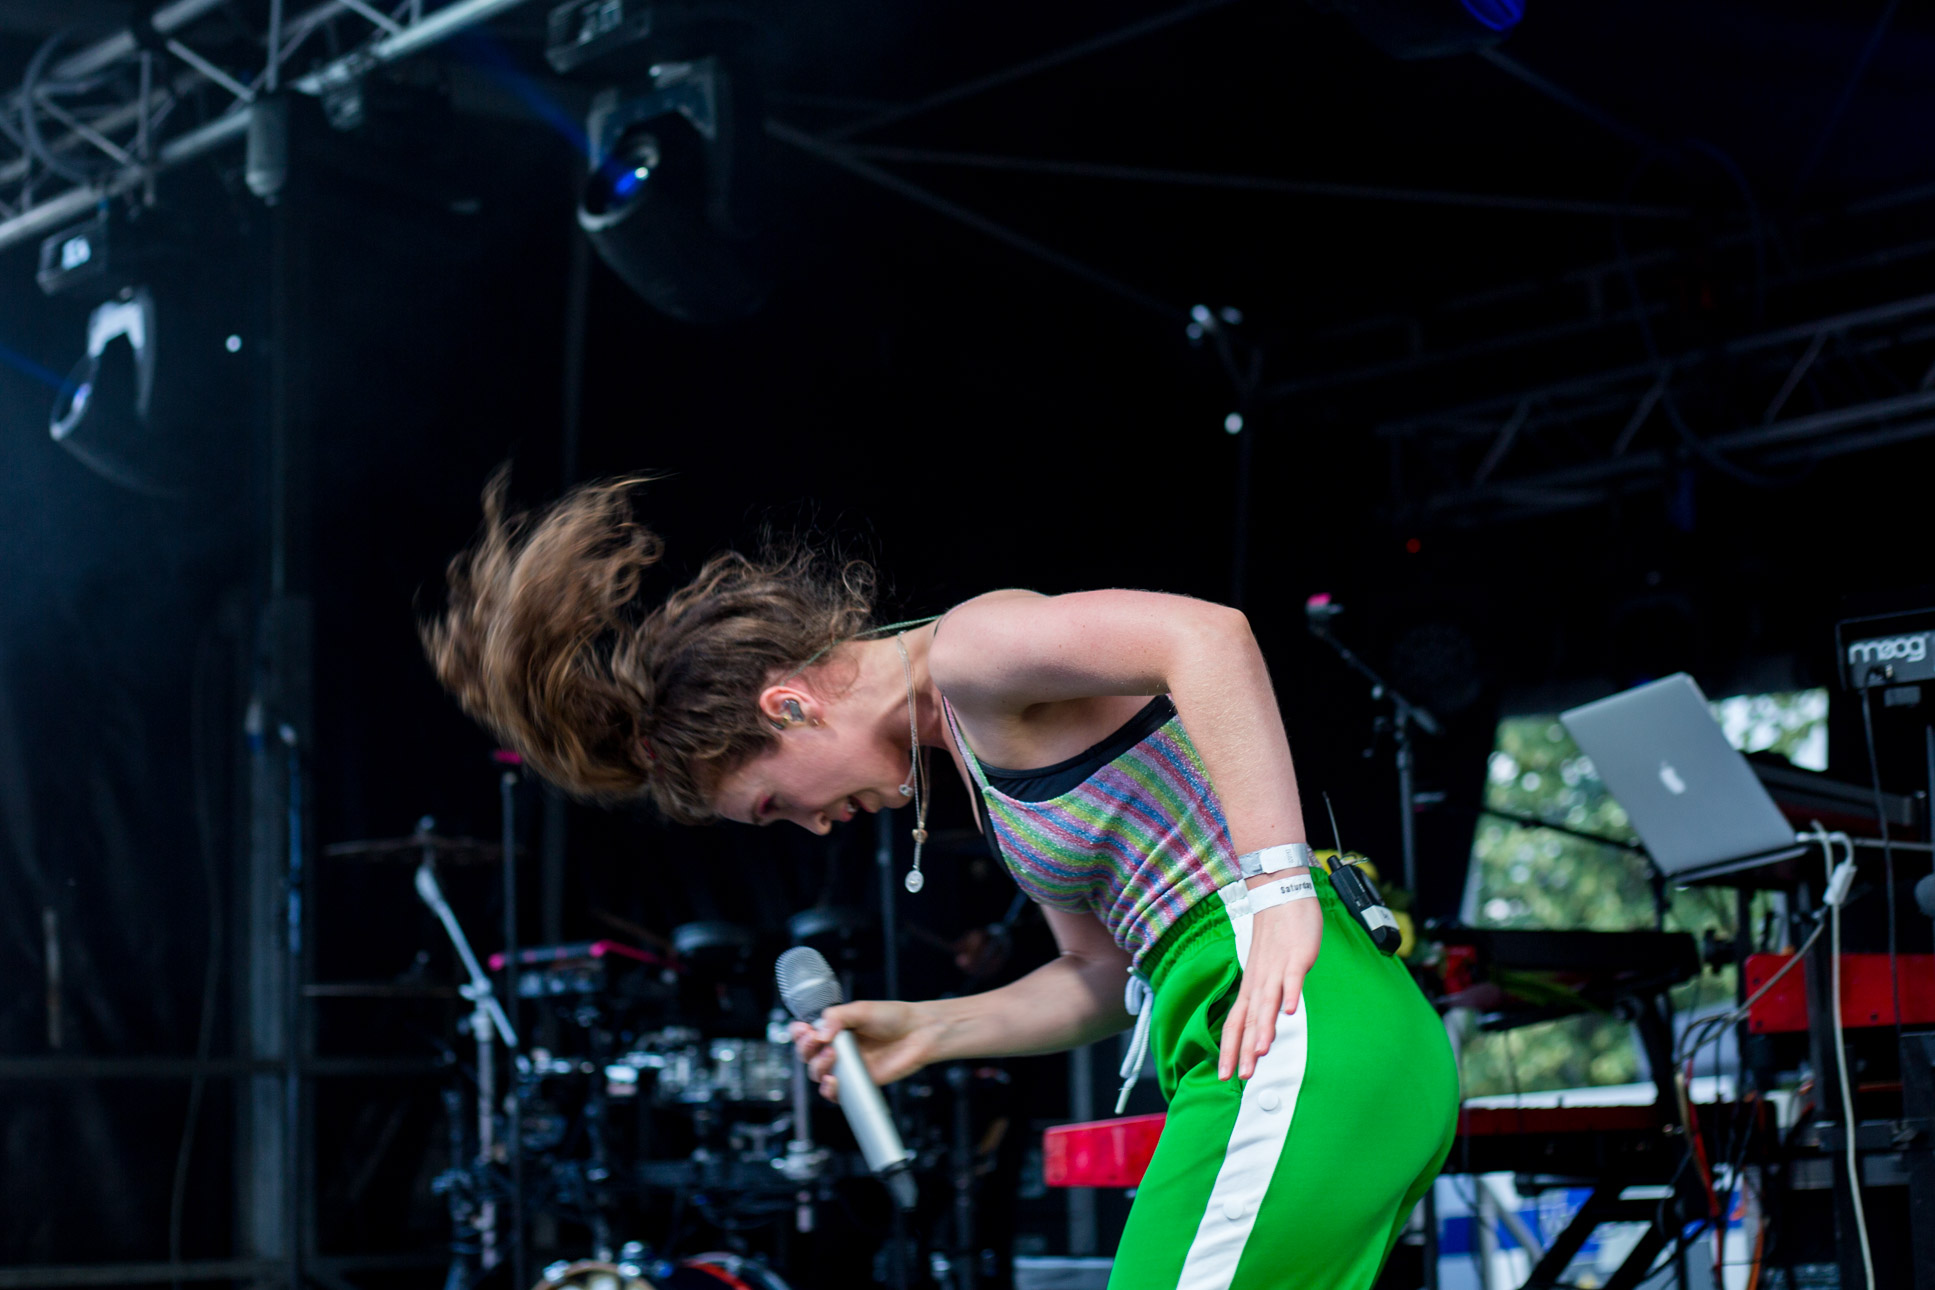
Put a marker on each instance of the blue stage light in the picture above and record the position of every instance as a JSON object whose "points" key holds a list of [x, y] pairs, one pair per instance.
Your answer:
{"points": [[1430, 28], [673, 205], [628, 181], [1496, 15]]}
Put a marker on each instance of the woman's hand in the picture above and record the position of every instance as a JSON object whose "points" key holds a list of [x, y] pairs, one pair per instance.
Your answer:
{"points": [[1284, 941], [895, 1040]]}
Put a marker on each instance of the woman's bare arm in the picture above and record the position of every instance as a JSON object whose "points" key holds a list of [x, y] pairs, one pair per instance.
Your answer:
{"points": [[1074, 999]]}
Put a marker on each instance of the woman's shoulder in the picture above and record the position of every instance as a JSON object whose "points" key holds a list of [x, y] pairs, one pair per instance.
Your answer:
{"points": [[965, 634], [976, 609]]}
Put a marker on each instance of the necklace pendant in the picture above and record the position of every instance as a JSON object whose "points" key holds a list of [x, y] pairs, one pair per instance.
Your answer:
{"points": [[914, 880]]}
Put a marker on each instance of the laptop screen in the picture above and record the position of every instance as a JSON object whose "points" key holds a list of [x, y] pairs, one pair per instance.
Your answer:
{"points": [[1693, 800]]}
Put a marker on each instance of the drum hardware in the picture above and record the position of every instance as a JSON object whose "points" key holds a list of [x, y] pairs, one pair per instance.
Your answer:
{"points": [[753, 1140], [378, 990], [688, 1073], [587, 968], [845, 935], [592, 1275], [426, 841], [540, 1063], [718, 1270], [735, 1110], [751, 1070], [714, 948], [488, 1023]]}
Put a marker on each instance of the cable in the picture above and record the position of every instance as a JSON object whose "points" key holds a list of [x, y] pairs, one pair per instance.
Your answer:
{"points": [[1712, 1027], [1848, 1125], [30, 85], [1840, 108], [1742, 1137], [1760, 1251], [1887, 851]]}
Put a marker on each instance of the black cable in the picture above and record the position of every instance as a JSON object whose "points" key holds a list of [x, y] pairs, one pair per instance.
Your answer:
{"points": [[1535, 822], [1887, 851], [31, 84], [1848, 88], [1737, 1161], [1709, 1026], [1756, 228]]}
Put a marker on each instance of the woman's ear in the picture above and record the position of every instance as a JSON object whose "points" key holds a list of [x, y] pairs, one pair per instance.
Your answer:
{"points": [[785, 706]]}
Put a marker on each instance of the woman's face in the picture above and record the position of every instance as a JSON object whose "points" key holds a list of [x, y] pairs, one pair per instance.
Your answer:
{"points": [[815, 777]]}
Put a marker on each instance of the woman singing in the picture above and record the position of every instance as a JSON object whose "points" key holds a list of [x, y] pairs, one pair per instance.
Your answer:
{"points": [[1129, 765]]}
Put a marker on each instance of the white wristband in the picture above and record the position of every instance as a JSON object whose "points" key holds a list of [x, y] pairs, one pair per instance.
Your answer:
{"points": [[1282, 892], [1289, 855]]}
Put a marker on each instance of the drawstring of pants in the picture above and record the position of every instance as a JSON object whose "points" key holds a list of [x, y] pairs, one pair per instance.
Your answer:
{"points": [[1135, 997]]}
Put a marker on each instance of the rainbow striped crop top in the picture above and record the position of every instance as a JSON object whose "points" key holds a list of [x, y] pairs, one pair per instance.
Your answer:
{"points": [[1138, 842]]}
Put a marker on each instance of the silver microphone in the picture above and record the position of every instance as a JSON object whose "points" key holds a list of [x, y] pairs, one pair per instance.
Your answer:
{"points": [[808, 987]]}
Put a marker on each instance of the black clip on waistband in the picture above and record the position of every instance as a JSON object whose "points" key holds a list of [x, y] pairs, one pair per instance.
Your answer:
{"points": [[1360, 895]]}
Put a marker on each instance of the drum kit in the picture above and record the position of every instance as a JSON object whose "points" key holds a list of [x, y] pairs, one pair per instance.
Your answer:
{"points": [[627, 1072]]}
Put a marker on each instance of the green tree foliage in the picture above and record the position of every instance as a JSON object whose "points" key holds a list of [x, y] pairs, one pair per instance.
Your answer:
{"points": [[1534, 877]]}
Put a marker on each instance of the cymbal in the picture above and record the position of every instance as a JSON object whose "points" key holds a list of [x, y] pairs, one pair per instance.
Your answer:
{"points": [[409, 850], [379, 990]]}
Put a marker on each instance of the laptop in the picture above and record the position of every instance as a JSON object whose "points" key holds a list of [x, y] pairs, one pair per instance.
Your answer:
{"points": [[1694, 801]]}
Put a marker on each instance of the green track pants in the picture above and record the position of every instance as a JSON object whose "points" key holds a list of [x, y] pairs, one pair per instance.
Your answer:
{"points": [[1303, 1176]]}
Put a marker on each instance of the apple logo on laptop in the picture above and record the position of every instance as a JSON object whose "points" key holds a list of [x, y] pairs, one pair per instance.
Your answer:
{"points": [[1671, 778]]}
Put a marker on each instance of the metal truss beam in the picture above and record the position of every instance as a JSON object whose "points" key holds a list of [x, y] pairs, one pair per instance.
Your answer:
{"points": [[844, 157], [1576, 304], [46, 216], [994, 80], [1529, 204], [400, 43], [1572, 443], [388, 36]]}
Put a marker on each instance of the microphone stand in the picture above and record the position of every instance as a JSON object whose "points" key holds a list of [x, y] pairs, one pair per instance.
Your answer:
{"points": [[1404, 715], [487, 1023], [514, 1103], [883, 854]]}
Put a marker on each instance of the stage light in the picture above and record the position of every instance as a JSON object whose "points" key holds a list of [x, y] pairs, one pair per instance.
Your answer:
{"points": [[165, 426], [102, 409], [74, 256], [1429, 28], [671, 201]]}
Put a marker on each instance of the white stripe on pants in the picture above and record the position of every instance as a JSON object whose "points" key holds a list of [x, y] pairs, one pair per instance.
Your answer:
{"points": [[1256, 1140]]}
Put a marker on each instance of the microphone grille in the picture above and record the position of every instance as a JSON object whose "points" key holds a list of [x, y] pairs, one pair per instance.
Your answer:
{"points": [[807, 985]]}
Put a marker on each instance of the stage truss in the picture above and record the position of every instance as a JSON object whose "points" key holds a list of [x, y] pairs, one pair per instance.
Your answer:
{"points": [[180, 88], [1760, 409]]}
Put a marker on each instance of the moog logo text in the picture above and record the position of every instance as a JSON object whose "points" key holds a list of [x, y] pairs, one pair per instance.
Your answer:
{"points": [[1890, 649]]}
